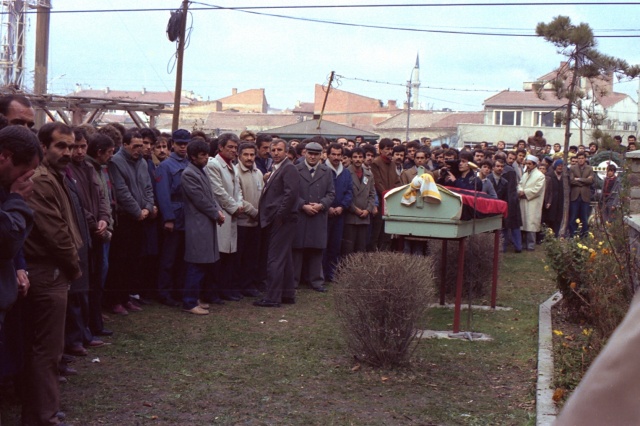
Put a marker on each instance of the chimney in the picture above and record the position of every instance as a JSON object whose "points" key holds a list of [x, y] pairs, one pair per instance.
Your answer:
{"points": [[144, 90], [106, 89], [78, 88], [391, 104], [234, 91]]}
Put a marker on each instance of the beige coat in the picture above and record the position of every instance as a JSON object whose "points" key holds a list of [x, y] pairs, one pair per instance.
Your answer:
{"points": [[226, 188], [251, 184], [608, 393], [532, 183]]}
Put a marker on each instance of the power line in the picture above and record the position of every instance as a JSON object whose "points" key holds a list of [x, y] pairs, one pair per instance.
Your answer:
{"points": [[425, 87], [252, 10]]}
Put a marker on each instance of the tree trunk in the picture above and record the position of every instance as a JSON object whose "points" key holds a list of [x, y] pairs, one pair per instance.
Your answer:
{"points": [[565, 156]]}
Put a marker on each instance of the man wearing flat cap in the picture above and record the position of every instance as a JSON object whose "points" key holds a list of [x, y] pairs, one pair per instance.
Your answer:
{"points": [[315, 197], [531, 194]]}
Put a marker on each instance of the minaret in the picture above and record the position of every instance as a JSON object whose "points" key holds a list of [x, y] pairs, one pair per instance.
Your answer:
{"points": [[415, 84]]}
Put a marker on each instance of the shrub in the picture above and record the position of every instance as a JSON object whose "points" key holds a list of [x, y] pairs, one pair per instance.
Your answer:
{"points": [[593, 276], [379, 298], [478, 265]]}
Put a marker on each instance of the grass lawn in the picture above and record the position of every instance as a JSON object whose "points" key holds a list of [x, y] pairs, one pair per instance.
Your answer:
{"points": [[289, 366]]}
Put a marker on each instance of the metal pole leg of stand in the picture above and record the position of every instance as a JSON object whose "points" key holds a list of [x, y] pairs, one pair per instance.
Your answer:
{"points": [[459, 281]]}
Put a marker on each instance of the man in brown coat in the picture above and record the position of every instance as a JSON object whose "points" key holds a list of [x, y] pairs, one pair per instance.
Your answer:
{"points": [[385, 177], [580, 179], [51, 251]]}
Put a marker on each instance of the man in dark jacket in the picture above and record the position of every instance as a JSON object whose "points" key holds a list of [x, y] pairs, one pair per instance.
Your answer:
{"points": [[20, 154], [278, 217], [512, 223]]}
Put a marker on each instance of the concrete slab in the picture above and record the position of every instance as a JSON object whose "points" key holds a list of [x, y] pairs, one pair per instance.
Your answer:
{"points": [[465, 335], [545, 407], [475, 307]]}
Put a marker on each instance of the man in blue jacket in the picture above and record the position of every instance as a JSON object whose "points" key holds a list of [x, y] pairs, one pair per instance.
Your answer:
{"points": [[171, 274], [337, 211]]}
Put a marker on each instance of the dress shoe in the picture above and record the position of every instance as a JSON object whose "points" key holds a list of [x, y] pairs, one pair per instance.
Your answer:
{"points": [[266, 303], [67, 359], [203, 305], [131, 307], [197, 311], [103, 332], [231, 297], [170, 302], [77, 350], [251, 293], [120, 310], [95, 343], [320, 289], [65, 370], [288, 300]]}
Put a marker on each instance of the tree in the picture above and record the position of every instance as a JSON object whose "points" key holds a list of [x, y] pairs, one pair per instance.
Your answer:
{"points": [[578, 44]]}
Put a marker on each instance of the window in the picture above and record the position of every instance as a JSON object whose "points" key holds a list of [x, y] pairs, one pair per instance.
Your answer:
{"points": [[507, 118], [547, 119]]}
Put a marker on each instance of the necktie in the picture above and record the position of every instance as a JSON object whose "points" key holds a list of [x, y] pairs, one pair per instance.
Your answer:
{"points": [[312, 171]]}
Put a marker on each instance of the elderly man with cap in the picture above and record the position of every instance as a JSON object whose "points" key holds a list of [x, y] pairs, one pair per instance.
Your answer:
{"points": [[171, 273], [531, 194], [316, 193]]}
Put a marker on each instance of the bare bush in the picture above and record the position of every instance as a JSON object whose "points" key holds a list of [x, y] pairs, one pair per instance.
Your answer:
{"points": [[380, 298], [478, 264]]}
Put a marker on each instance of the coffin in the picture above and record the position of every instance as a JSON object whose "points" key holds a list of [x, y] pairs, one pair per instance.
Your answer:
{"points": [[454, 217]]}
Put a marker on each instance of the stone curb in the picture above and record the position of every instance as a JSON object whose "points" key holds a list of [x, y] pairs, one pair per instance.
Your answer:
{"points": [[545, 407]]}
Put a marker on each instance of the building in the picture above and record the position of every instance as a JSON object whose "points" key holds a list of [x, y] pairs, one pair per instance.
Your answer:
{"points": [[440, 126], [514, 115]]}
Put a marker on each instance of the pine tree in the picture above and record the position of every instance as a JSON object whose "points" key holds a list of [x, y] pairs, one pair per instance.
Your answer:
{"points": [[578, 44]]}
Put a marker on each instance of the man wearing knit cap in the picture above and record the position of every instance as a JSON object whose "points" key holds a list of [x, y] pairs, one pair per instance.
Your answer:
{"points": [[554, 203], [531, 194]]}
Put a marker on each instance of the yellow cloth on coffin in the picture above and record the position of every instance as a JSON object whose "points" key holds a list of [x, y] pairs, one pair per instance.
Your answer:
{"points": [[423, 185]]}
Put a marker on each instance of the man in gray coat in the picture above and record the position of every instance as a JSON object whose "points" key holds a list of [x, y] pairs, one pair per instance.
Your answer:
{"points": [[278, 217], [135, 203], [358, 217], [201, 214], [314, 199]]}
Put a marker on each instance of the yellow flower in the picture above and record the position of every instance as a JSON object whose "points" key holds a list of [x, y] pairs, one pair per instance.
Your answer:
{"points": [[591, 250], [587, 331], [577, 220], [591, 235], [601, 243], [558, 333], [546, 267]]}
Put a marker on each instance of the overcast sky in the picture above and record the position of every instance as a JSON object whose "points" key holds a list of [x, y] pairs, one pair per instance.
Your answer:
{"points": [[233, 49]]}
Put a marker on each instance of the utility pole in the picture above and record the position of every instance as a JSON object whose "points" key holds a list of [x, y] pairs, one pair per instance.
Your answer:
{"points": [[178, 92], [42, 55], [326, 96]]}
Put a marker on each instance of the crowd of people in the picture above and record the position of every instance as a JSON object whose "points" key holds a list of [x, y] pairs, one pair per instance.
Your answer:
{"points": [[100, 221]]}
